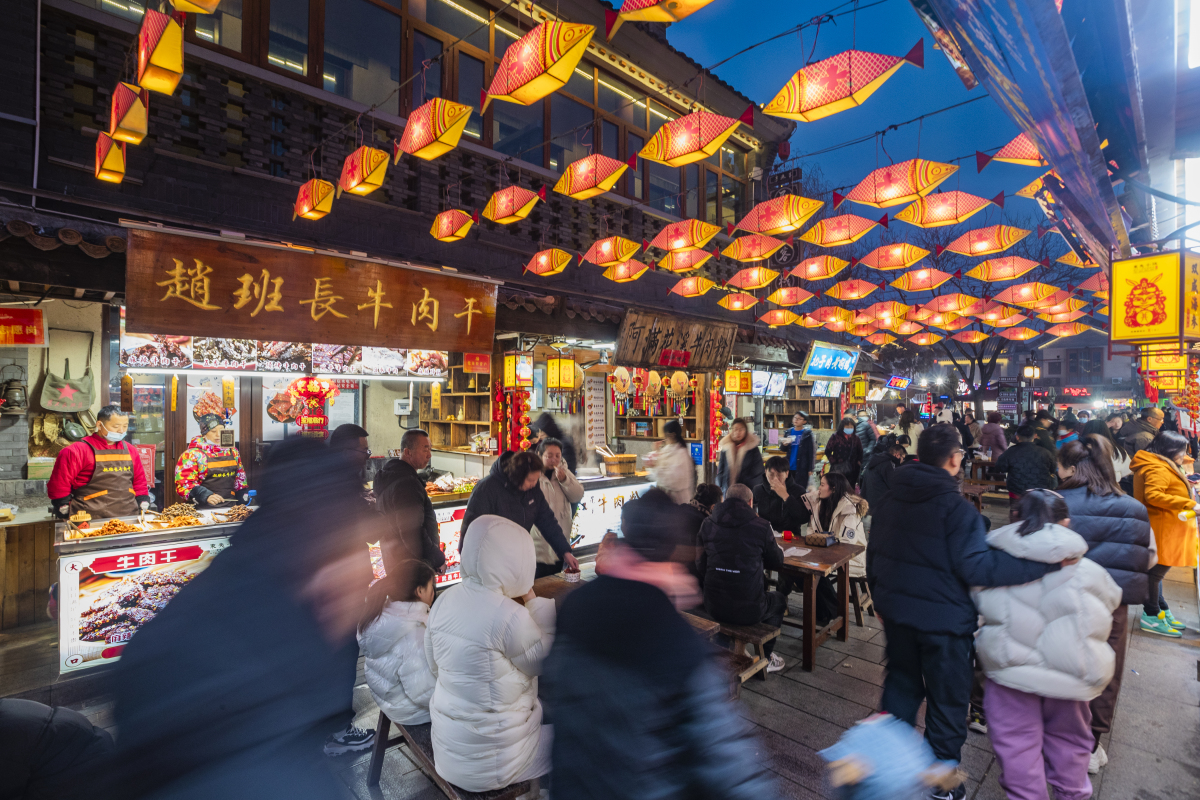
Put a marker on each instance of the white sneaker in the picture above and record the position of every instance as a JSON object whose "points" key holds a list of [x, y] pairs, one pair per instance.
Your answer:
{"points": [[1099, 759], [776, 664]]}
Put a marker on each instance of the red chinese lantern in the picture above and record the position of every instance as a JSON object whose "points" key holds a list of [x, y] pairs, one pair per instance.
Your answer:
{"points": [[314, 393]]}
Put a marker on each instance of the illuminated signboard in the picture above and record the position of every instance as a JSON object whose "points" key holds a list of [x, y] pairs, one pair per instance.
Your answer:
{"points": [[897, 382], [1075, 391], [830, 362]]}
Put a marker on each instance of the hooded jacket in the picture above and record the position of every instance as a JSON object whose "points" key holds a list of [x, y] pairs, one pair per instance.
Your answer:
{"points": [[394, 662], [485, 651], [403, 500], [1136, 435], [991, 437], [927, 549], [1028, 465], [497, 495], [736, 545], [1117, 530], [1160, 485], [742, 464], [1049, 637], [846, 524], [877, 478], [675, 472], [641, 709]]}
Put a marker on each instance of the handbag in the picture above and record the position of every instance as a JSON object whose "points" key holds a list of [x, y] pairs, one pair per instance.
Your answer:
{"points": [[66, 394]]}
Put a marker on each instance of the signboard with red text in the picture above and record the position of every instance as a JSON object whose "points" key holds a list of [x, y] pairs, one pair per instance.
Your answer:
{"points": [[24, 327], [106, 596]]}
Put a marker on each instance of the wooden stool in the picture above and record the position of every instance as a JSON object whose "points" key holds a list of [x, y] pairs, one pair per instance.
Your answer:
{"points": [[860, 598], [419, 739], [757, 635], [734, 665]]}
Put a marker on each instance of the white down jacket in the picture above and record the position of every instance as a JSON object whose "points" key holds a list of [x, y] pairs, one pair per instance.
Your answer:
{"points": [[1049, 637], [394, 662], [486, 651]]}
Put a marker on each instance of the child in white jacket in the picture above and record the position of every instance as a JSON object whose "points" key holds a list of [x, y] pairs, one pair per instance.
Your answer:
{"points": [[1044, 648], [392, 637]]}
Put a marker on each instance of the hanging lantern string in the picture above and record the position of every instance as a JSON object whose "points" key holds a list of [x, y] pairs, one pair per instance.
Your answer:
{"points": [[430, 62]]}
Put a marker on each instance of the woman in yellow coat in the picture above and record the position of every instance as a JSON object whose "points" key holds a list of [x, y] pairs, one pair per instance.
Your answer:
{"points": [[1160, 484]]}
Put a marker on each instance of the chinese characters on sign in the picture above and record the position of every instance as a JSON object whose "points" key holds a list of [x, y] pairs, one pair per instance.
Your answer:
{"points": [[830, 362], [214, 288], [22, 326], [646, 335]]}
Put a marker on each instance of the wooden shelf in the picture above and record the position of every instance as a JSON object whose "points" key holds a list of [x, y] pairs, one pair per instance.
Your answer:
{"points": [[650, 438]]}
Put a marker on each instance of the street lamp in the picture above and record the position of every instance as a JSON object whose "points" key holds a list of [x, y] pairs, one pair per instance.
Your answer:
{"points": [[1032, 371]]}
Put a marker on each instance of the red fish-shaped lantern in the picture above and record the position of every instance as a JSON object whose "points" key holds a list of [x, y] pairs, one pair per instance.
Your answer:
{"points": [[837, 231], [540, 62], [837, 83], [433, 129], [452, 225], [780, 215], [692, 138], [898, 183], [610, 251], [754, 247], [921, 280], [945, 208], [897, 255], [512, 204], [590, 176], [985, 241], [818, 268]]}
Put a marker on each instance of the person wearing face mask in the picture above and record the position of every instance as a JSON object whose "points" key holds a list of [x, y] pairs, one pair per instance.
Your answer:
{"points": [[100, 474], [207, 473], [844, 451], [562, 491]]}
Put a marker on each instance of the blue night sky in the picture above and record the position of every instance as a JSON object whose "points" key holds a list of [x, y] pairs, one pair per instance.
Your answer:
{"points": [[892, 28]]}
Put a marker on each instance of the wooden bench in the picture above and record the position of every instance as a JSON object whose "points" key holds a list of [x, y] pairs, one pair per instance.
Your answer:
{"points": [[860, 598], [757, 635], [733, 665], [419, 739]]}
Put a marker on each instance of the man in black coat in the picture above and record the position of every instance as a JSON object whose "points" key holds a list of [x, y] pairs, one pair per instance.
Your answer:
{"points": [[641, 706], [49, 753], [784, 515], [403, 499], [1138, 433], [736, 546], [877, 478], [1026, 466], [511, 491], [927, 549], [692, 515], [1043, 428]]}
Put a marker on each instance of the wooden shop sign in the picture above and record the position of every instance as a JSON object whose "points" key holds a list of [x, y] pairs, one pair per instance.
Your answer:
{"points": [[648, 339], [214, 287]]}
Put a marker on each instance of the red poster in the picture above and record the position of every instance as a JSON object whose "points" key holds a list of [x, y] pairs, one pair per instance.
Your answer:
{"points": [[22, 326], [479, 363], [146, 453]]}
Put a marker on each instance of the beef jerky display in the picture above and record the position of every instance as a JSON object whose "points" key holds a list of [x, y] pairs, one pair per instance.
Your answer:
{"points": [[156, 351], [236, 354], [284, 357], [284, 408], [337, 359], [107, 595]]}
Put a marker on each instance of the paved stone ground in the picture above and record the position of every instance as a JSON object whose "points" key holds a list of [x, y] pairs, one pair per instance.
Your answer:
{"points": [[1154, 748]]}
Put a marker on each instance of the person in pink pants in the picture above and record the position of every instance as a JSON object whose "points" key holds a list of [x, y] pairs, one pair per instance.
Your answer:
{"points": [[1044, 649]]}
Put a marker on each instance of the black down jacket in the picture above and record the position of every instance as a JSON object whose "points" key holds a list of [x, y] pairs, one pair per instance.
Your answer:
{"points": [[496, 494], [1118, 534], [877, 477], [927, 549], [1028, 466], [49, 753], [409, 511], [641, 709], [736, 545]]}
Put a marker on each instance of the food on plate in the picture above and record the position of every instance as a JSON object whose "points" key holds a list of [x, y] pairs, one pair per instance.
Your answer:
{"points": [[236, 513], [284, 356], [285, 408], [383, 361], [129, 603], [209, 403], [157, 351], [426, 362], [184, 522], [449, 483], [224, 352], [113, 527], [337, 358]]}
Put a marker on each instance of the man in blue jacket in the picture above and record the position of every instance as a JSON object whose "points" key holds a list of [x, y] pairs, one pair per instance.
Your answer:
{"points": [[802, 449], [927, 549]]}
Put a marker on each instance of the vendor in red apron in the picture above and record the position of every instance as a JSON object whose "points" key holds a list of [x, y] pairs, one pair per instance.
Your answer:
{"points": [[209, 474], [101, 474]]}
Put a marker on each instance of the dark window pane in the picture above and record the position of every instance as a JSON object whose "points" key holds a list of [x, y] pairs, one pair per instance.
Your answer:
{"points": [[1055, 368], [1072, 363], [288, 45], [506, 33], [223, 27], [659, 115], [610, 139], [129, 9], [470, 84], [733, 161], [362, 53], [692, 198], [622, 101], [634, 144], [711, 201], [460, 18], [427, 81], [517, 130], [570, 130], [581, 84], [731, 200], [664, 188]]}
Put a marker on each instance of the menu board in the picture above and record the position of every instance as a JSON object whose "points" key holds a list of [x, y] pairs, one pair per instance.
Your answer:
{"points": [[107, 596], [593, 411], [449, 526]]}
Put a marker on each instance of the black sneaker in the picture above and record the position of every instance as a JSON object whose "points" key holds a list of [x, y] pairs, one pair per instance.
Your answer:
{"points": [[352, 739], [957, 793], [976, 720]]}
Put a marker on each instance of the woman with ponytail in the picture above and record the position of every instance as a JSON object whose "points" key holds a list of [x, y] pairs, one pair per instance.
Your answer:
{"points": [[1116, 528], [1120, 456], [391, 634]]}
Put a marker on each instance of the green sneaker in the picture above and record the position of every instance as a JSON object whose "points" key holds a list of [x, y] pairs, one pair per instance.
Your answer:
{"points": [[1159, 625], [1170, 618]]}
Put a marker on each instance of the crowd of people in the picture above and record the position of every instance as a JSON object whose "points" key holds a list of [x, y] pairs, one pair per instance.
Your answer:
{"points": [[1019, 631]]}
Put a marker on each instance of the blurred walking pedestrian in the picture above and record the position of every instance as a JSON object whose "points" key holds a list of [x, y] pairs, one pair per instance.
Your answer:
{"points": [[801, 449], [49, 753], [1044, 648], [671, 464], [1137, 434], [544, 427], [740, 460], [909, 426], [991, 437], [1117, 530], [229, 690], [641, 707]]}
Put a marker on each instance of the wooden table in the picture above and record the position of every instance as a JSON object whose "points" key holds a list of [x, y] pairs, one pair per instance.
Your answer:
{"points": [[817, 563], [556, 588]]}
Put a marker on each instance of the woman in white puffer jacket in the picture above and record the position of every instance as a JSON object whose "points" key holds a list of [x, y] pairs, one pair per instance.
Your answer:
{"points": [[486, 641], [392, 638], [1044, 649]]}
